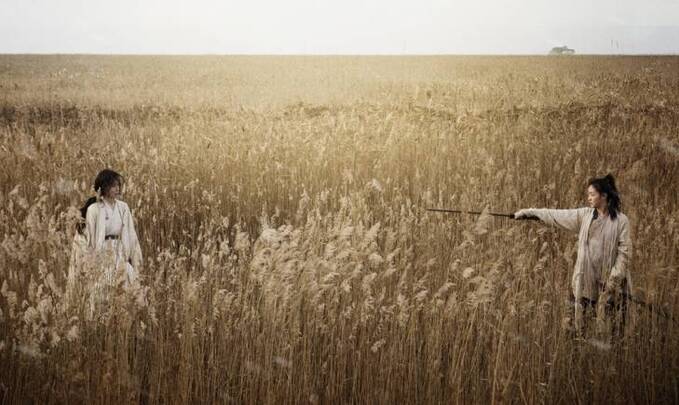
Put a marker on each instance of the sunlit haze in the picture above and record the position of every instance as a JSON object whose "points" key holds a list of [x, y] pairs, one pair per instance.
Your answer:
{"points": [[340, 27]]}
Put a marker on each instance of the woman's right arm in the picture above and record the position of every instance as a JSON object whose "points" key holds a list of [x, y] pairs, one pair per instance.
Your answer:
{"points": [[568, 219], [91, 225]]}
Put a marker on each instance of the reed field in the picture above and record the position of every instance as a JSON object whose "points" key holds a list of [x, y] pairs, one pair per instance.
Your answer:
{"points": [[288, 254]]}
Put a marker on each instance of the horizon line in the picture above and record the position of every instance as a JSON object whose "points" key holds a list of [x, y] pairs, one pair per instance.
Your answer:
{"points": [[328, 54]]}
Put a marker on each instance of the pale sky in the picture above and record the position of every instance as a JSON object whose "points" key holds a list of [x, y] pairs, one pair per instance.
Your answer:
{"points": [[338, 27]]}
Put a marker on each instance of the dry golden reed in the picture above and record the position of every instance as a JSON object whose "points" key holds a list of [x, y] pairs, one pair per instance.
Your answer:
{"points": [[280, 203]]}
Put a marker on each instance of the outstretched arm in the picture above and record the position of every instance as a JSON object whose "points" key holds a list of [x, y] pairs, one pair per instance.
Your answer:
{"points": [[568, 219]]}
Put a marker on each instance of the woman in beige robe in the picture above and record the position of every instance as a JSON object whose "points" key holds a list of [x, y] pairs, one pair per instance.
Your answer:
{"points": [[601, 278]]}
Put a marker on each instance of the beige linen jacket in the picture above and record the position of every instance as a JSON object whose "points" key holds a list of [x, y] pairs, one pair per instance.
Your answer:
{"points": [[617, 245]]}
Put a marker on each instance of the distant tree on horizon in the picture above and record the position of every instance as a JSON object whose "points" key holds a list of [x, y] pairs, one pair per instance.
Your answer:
{"points": [[562, 50]]}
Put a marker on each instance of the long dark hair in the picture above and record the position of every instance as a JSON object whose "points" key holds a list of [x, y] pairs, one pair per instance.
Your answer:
{"points": [[105, 180], [606, 185], [80, 226]]}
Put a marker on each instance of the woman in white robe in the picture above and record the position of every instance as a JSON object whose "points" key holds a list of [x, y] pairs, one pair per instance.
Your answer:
{"points": [[109, 238], [601, 279]]}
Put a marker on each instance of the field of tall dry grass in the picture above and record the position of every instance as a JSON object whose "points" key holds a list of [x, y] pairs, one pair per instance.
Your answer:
{"points": [[280, 203]]}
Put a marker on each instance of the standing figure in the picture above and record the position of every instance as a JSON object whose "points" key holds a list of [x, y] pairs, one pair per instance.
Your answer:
{"points": [[601, 280], [111, 236]]}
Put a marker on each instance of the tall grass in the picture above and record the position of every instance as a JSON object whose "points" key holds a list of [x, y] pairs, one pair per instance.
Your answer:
{"points": [[289, 258]]}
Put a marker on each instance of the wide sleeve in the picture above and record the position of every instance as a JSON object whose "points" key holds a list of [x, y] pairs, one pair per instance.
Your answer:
{"points": [[623, 256], [135, 248], [568, 219], [91, 219]]}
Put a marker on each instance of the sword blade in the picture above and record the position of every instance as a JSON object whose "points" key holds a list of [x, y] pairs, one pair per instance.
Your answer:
{"points": [[476, 213]]}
